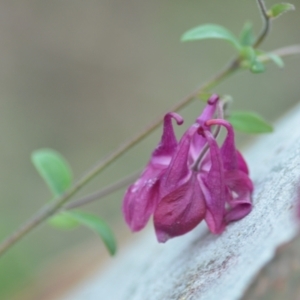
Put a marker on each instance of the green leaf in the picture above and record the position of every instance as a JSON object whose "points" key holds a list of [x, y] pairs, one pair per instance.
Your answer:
{"points": [[99, 226], [278, 9], [54, 169], [211, 31], [276, 59], [264, 56], [249, 122], [257, 67], [247, 37], [63, 220]]}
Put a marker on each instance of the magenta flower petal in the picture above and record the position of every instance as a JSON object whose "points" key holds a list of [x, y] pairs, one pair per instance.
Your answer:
{"points": [[240, 184], [195, 179], [198, 141], [242, 165], [179, 211], [209, 109], [141, 197], [232, 158], [228, 150], [214, 190], [167, 146], [178, 169]]}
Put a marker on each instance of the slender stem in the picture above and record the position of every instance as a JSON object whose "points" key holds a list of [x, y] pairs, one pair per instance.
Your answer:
{"points": [[285, 51], [266, 25], [59, 202], [104, 192]]}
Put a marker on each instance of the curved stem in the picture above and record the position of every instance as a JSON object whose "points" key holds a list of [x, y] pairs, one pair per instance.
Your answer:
{"points": [[59, 202], [266, 26]]}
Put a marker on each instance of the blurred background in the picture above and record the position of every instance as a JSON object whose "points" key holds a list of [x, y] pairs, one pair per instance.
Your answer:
{"points": [[82, 77]]}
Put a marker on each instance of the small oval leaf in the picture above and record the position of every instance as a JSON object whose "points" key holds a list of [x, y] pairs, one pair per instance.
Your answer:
{"points": [[99, 226], [267, 56], [54, 169], [249, 122], [276, 59], [211, 31], [63, 220], [247, 37], [280, 8]]}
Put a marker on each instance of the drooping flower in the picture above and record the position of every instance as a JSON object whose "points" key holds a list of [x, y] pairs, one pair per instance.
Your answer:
{"points": [[142, 197], [190, 181]]}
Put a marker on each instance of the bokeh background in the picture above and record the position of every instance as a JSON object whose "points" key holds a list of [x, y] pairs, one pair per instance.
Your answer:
{"points": [[83, 76]]}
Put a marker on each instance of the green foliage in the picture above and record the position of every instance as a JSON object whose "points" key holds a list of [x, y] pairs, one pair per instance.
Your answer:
{"points": [[250, 60], [249, 122], [71, 219], [64, 220], [246, 36], [262, 56], [54, 169], [280, 8], [248, 56], [276, 59], [211, 31], [257, 67]]}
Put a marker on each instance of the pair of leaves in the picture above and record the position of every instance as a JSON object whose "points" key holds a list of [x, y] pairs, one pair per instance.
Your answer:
{"points": [[57, 174], [213, 31], [250, 57]]}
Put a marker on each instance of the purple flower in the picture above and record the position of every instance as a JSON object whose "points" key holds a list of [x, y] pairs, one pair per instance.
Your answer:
{"points": [[142, 197], [190, 181]]}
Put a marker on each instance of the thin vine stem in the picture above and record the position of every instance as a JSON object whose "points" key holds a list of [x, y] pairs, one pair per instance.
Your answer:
{"points": [[282, 52], [266, 25], [104, 192], [59, 202]]}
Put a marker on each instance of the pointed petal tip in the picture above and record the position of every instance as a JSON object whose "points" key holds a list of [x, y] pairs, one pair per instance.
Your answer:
{"points": [[162, 237], [239, 212], [213, 99], [216, 226], [209, 109], [132, 220], [139, 202], [178, 118]]}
